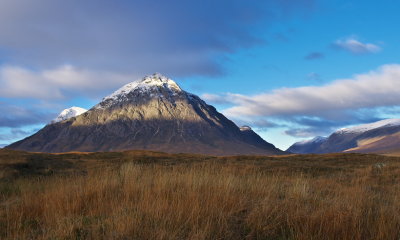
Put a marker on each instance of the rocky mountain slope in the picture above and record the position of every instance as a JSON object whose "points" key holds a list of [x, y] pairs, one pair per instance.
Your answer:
{"points": [[378, 137], [153, 113]]}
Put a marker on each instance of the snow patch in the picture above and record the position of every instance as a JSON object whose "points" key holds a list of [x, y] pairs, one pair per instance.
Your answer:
{"points": [[147, 83], [69, 113], [366, 127], [245, 128]]}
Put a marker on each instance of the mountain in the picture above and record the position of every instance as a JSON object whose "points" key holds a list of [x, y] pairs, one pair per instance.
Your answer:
{"points": [[370, 126], [307, 146], [253, 138], [153, 113], [69, 113], [378, 137]]}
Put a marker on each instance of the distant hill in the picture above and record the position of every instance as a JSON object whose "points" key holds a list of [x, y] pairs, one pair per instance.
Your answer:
{"points": [[153, 113], [307, 146], [378, 137]]}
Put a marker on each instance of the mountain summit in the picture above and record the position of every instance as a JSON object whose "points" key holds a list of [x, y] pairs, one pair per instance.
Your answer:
{"points": [[154, 86], [153, 113]]}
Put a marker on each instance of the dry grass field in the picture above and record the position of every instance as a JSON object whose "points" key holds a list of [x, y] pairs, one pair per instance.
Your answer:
{"points": [[149, 195]]}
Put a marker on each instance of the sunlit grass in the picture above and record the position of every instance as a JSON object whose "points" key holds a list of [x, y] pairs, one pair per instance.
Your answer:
{"points": [[205, 200]]}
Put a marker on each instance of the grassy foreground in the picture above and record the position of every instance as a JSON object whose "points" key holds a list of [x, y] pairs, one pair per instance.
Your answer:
{"points": [[144, 195]]}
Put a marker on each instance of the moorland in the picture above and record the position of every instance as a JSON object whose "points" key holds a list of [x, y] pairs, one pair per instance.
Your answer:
{"points": [[154, 195]]}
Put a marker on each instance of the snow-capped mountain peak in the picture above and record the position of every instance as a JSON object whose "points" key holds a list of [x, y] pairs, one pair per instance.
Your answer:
{"points": [[151, 86], [69, 113], [153, 81], [369, 126]]}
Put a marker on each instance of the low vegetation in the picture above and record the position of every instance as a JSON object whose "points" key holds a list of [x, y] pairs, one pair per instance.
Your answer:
{"points": [[148, 195]]}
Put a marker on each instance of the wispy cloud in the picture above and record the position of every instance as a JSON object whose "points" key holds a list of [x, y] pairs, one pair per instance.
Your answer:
{"points": [[217, 99], [313, 76], [314, 56], [355, 46], [303, 132]]}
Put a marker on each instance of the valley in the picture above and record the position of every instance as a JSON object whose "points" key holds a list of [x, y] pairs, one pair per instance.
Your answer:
{"points": [[199, 120]]}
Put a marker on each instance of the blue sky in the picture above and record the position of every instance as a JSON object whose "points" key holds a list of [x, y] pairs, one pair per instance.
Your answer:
{"points": [[291, 69]]}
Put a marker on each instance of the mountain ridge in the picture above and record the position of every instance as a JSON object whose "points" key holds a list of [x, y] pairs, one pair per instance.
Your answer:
{"points": [[365, 138]]}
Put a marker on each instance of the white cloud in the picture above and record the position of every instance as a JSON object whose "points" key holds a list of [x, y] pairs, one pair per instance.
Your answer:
{"points": [[354, 46], [374, 89], [18, 82], [319, 110]]}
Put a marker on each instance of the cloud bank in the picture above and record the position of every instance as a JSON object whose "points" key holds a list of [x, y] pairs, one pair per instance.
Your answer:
{"points": [[341, 102], [14, 116], [176, 37], [58, 83], [373, 89]]}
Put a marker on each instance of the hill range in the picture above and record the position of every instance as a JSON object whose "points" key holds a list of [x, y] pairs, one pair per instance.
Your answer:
{"points": [[378, 137]]}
